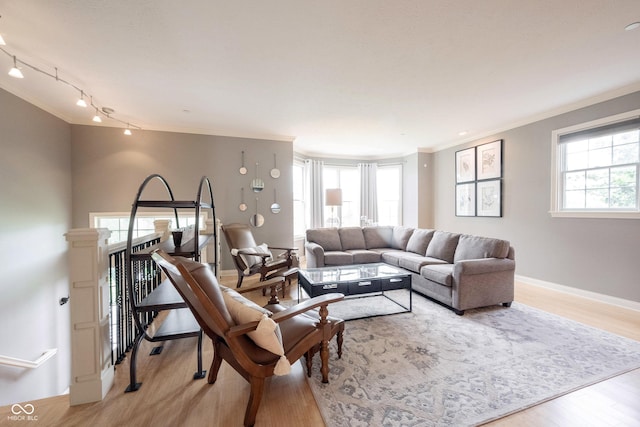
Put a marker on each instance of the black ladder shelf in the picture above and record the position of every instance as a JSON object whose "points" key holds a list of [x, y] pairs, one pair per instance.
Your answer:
{"points": [[179, 322]]}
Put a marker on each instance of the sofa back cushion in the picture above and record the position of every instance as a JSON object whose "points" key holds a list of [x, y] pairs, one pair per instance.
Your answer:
{"points": [[419, 241], [351, 238], [400, 237], [443, 246], [476, 247], [328, 238], [378, 236]]}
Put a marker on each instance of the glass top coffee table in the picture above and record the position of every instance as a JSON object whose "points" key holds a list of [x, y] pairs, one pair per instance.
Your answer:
{"points": [[387, 288]]}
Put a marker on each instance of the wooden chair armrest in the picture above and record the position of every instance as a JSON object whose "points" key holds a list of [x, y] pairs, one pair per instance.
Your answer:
{"points": [[283, 249], [243, 252], [322, 300], [243, 329], [319, 301], [274, 281]]}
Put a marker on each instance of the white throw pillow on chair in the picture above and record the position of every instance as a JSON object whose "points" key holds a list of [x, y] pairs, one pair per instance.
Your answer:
{"points": [[250, 260]]}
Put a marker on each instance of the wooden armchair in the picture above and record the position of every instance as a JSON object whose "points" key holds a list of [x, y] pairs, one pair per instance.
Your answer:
{"points": [[301, 330], [250, 259]]}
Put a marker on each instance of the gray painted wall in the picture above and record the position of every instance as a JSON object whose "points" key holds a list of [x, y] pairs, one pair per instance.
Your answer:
{"points": [[35, 200], [417, 187], [108, 168], [597, 255]]}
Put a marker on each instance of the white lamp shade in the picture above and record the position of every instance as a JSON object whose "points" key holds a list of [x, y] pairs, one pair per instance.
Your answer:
{"points": [[333, 197]]}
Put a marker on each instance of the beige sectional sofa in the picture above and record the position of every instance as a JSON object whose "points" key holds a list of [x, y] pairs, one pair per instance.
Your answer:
{"points": [[458, 270]]}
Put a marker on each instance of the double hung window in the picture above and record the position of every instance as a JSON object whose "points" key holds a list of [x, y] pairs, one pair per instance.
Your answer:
{"points": [[597, 168]]}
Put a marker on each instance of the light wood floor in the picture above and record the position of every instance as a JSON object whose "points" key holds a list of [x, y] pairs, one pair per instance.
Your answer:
{"points": [[169, 397]]}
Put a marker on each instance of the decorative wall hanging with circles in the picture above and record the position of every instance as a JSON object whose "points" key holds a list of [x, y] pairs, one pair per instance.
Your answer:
{"points": [[243, 170], [275, 172], [257, 184], [257, 220], [243, 206]]}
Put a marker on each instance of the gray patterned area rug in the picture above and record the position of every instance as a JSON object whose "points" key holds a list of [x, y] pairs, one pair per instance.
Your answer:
{"points": [[434, 368]]}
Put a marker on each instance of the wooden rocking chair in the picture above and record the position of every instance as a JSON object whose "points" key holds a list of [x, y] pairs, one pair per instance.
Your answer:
{"points": [[302, 329]]}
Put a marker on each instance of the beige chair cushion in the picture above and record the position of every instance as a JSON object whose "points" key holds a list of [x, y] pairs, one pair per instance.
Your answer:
{"points": [[267, 335]]}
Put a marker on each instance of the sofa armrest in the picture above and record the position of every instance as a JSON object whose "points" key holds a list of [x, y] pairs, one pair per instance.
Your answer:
{"points": [[315, 254], [482, 266], [482, 282]]}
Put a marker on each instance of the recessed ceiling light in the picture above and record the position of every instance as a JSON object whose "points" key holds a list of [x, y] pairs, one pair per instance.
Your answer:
{"points": [[462, 133], [632, 26]]}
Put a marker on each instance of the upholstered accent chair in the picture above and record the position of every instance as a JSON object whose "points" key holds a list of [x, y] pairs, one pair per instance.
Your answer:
{"points": [[255, 341]]}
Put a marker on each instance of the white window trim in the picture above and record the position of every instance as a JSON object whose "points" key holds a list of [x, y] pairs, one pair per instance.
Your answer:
{"points": [[555, 210], [140, 214]]}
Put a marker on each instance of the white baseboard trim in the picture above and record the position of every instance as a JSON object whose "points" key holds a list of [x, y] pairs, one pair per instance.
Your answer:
{"points": [[606, 299]]}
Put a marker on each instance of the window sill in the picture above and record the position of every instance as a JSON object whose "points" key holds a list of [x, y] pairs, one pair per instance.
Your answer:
{"points": [[595, 214]]}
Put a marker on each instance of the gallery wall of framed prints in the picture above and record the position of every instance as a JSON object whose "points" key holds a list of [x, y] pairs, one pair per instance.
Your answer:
{"points": [[479, 180]]}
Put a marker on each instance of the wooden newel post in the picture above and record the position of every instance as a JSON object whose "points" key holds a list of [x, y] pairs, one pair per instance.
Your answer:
{"points": [[92, 372]]}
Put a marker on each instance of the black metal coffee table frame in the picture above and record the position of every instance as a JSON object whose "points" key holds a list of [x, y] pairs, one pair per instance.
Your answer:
{"points": [[357, 281]]}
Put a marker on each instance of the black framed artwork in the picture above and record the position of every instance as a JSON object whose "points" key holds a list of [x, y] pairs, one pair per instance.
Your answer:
{"points": [[466, 165], [479, 180], [466, 199], [489, 160], [489, 198]]}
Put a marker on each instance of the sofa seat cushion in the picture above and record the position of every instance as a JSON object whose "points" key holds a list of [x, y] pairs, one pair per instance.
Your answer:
{"points": [[415, 262], [377, 236], [337, 258], [351, 238], [443, 245], [439, 273], [476, 247], [328, 238], [363, 256], [419, 241], [392, 256], [383, 250]]}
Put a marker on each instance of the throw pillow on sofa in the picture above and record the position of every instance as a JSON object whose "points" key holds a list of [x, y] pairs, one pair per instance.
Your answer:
{"points": [[377, 237], [419, 241], [400, 237], [476, 247], [328, 238], [351, 238], [443, 246]]}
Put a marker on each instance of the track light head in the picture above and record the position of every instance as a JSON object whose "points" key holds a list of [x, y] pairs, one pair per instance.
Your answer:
{"points": [[97, 118], [15, 71], [81, 102]]}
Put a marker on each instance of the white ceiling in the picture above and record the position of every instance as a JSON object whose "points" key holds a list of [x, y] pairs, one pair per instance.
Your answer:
{"points": [[366, 78]]}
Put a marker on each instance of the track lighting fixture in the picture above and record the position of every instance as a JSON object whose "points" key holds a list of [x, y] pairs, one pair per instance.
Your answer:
{"points": [[2, 42], [81, 102], [15, 71]]}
